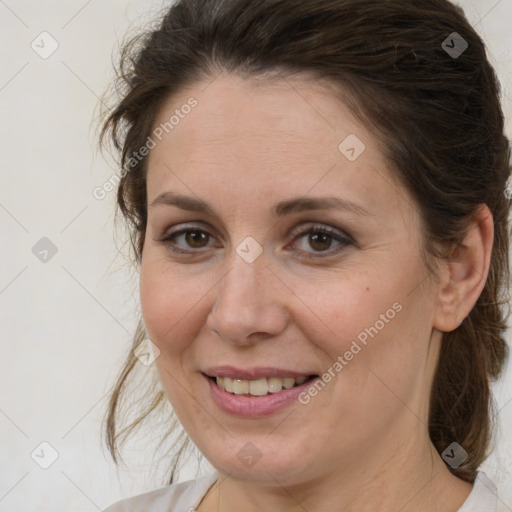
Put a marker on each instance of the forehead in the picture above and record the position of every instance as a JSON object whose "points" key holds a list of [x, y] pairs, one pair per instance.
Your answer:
{"points": [[285, 137], [232, 107]]}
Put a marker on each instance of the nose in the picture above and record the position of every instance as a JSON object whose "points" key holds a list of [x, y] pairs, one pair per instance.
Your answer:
{"points": [[250, 303]]}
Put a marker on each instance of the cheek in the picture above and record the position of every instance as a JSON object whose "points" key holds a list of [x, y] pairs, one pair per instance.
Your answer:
{"points": [[369, 327], [357, 307], [168, 301]]}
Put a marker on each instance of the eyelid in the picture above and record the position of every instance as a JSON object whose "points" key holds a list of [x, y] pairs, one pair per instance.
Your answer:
{"points": [[196, 225], [339, 235], [318, 226], [344, 240], [192, 226]]}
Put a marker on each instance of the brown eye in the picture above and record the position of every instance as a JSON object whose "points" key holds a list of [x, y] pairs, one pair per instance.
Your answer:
{"points": [[193, 239], [320, 239]]}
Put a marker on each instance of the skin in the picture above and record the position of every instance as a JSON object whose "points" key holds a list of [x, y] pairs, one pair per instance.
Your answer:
{"points": [[361, 443]]}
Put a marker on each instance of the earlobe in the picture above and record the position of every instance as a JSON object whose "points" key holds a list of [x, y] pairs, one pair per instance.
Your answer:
{"points": [[465, 273]]}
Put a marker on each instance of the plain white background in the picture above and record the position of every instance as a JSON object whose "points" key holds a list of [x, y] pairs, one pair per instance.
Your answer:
{"points": [[67, 323]]}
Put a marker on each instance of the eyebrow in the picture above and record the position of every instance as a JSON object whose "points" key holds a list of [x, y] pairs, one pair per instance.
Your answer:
{"points": [[280, 209]]}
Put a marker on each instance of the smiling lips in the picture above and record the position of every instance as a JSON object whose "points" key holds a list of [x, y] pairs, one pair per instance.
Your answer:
{"points": [[257, 381], [256, 393]]}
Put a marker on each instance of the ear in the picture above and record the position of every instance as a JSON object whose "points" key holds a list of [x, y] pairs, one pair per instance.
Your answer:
{"points": [[465, 273]]}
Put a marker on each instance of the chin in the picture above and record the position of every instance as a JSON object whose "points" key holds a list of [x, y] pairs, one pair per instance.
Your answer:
{"points": [[244, 461]]}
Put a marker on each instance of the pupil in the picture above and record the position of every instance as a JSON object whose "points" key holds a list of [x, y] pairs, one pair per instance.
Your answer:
{"points": [[193, 237], [322, 239]]}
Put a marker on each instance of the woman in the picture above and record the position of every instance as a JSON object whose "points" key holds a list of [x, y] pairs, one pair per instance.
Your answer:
{"points": [[316, 197]]}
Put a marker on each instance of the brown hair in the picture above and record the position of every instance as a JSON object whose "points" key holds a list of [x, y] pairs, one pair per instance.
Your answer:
{"points": [[438, 118]]}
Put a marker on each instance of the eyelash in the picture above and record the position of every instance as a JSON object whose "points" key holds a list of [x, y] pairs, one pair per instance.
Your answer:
{"points": [[345, 241]]}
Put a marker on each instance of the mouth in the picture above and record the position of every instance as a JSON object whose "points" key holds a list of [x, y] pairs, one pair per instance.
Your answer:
{"points": [[255, 392], [258, 387]]}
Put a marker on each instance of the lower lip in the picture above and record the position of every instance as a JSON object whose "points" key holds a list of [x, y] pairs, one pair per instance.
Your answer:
{"points": [[255, 406]]}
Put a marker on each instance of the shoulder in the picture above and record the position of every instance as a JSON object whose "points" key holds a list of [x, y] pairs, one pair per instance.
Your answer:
{"points": [[182, 497], [484, 497]]}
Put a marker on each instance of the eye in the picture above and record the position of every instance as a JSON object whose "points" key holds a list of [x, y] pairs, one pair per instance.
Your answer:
{"points": [[320, 238], [195, 239]]}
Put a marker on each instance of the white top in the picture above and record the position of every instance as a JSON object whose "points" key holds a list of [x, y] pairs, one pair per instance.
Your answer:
{"points": [[186, 496]]}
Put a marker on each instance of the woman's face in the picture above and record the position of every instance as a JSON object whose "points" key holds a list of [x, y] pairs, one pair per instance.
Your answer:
{"points": [[269, 284]]}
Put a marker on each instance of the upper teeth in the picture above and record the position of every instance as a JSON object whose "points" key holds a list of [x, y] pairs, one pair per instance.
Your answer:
{"points": [[259, 387]]}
